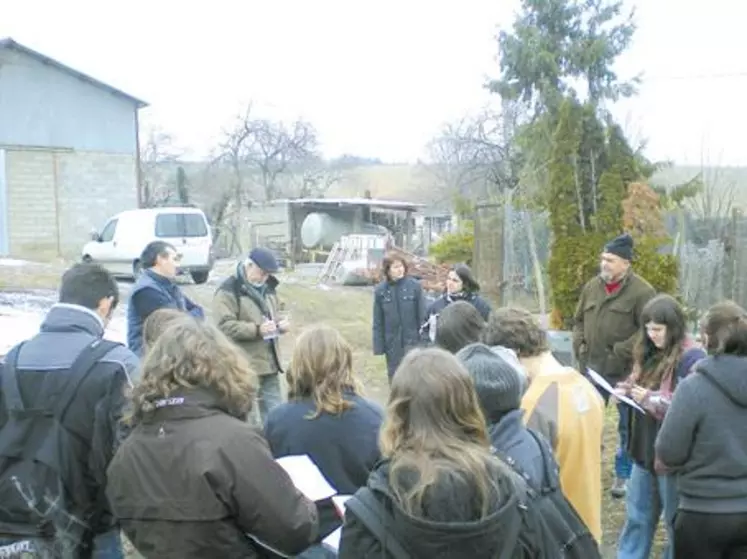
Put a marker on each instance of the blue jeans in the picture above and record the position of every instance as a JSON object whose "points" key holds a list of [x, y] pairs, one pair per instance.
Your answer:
{"points": [[623, 463], [105, 546], [269, 395], [647, 498]]}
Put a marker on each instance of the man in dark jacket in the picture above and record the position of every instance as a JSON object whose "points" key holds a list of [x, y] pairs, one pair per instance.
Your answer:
{"points": [[606, 326], [155, 289], [44, 376]]}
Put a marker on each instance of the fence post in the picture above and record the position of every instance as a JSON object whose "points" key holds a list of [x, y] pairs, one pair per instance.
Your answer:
{"points": [[488, 261]]}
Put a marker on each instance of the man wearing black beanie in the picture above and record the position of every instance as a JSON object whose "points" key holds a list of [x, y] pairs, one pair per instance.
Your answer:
{"points": [[606, 324]]}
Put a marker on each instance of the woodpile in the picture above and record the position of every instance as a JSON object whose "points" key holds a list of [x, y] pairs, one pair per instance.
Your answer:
{"points": [[432, 276]]}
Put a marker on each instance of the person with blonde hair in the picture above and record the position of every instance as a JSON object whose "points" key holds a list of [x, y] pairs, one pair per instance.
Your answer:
{"points": [[440, 492], [326, 416], [194, 479]]}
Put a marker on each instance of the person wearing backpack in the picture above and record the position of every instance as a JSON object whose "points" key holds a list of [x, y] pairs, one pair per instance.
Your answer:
{"points": [[500, 386], [439, 491], [62, 395]]}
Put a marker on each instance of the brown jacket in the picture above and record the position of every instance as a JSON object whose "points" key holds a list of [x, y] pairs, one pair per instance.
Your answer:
{"points": [[605, 326], [238, 312], [191, 481]]}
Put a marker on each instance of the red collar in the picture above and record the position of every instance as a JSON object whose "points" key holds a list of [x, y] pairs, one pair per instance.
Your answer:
{"points": [[611, 288]]}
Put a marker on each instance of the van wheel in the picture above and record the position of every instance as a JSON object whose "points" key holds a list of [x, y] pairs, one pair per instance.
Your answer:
{"points": [[137, 269], [87, 258], [199, 277]]}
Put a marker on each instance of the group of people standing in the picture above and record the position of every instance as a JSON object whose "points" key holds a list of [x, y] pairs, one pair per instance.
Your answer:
{"points": [[638, 341], [488, 446]]}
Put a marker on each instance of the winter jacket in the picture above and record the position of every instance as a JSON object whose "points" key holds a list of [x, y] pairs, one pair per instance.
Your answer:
{"points": [[150, 293], [398, 313], [192, 481], [510, 437], [94, 415], [344, 447], [239, 309], [606, 325], [450, 526], [704, 436], [644, 428]]}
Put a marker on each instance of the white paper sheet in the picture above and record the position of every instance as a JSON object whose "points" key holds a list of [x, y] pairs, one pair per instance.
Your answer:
{"points": [[606, 386], [333, 540], [307, 477]]}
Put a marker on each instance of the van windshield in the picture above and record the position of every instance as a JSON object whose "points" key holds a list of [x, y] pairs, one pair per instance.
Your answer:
{"points": [[180, 225]]}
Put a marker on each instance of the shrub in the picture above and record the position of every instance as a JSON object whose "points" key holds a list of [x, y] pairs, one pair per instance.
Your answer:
{"points": [[455, 247]]}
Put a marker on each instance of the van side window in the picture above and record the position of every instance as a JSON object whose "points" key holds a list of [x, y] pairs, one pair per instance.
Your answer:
{"points": [[194, 225], [180, 225], [108, 233], [169, 225]]}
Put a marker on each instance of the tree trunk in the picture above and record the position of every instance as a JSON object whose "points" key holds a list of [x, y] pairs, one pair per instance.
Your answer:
{"points": [[539, 279]]}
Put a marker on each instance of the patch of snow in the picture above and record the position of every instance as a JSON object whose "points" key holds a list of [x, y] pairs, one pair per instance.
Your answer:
{"points": [[13, 262], [21, 314]]}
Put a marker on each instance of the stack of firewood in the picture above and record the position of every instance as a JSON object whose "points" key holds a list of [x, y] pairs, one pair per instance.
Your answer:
{"points": [[432, 276]]}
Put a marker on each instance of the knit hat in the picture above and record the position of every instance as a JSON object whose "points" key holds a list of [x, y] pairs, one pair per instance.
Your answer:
{"points": [[264, 259], [621, 246], [499, 385]]}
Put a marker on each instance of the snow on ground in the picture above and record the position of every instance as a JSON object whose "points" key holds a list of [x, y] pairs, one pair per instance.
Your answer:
{"points": [[21, 314]]}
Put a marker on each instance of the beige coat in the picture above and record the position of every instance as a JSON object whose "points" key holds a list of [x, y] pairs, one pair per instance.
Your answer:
{"points": [[238, 313]]}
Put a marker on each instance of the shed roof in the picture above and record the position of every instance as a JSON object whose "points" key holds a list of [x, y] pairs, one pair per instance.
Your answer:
{"points": [[10, 44], [370, 202]]}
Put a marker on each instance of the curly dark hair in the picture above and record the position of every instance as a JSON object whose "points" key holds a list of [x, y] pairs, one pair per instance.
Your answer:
{"points": [[516, 329]]}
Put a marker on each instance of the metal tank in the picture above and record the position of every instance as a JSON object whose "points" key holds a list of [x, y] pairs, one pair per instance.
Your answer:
{"points": [[321, 230]]}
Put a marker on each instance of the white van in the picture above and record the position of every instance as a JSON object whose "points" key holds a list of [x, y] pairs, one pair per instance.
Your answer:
{"points": [[122, 239]]}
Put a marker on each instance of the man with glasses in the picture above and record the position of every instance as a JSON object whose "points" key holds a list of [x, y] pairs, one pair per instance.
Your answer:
{"points": [[155, 289]]}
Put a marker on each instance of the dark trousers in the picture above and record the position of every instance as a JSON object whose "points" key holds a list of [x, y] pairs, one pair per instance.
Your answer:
{"points": [[699, 535]]}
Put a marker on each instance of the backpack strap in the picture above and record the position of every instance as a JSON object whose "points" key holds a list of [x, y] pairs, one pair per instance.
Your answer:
{"points": [[11, 392], [377, 520], [550, 477], [80, 369], [521, 472]]}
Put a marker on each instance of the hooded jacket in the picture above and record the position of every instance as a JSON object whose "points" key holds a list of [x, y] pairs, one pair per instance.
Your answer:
{"points": [[450, 528], [704, 436], [193, 481]]}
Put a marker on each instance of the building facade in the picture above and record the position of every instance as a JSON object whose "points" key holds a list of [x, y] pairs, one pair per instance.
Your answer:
{"points": [[68, 154]]}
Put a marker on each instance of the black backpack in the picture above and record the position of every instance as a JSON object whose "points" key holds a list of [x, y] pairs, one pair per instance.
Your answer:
{"points": [[42, 482], [561, 531]]}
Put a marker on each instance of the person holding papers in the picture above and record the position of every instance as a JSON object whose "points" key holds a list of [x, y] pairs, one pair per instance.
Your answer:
{"points": [[193, 479], [605, 328], [326, 417], [704, 440], [663, 356]]}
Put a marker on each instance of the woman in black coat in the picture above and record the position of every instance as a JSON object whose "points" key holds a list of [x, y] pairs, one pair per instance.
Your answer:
{"points": [[461, 285], [398, 313]]}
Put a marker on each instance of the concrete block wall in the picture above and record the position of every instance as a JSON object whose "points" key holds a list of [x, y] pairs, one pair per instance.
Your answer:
{"points": [[55, 198]]}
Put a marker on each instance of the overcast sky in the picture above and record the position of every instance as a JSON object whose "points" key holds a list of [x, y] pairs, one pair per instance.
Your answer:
{"points": [[379, 78]]}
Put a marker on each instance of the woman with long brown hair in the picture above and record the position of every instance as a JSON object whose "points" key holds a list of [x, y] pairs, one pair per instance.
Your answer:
{"points": [[326, 417], [663, 356], [440, 490], [193, 479], [704, 440]]}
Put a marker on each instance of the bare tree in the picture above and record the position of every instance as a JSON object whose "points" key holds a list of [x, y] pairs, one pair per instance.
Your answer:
{"points": [[158, 154], [313, 179]]}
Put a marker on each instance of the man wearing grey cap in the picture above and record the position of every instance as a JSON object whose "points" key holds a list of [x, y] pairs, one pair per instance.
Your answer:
{"points": [[245, 307], [500, 386]]}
